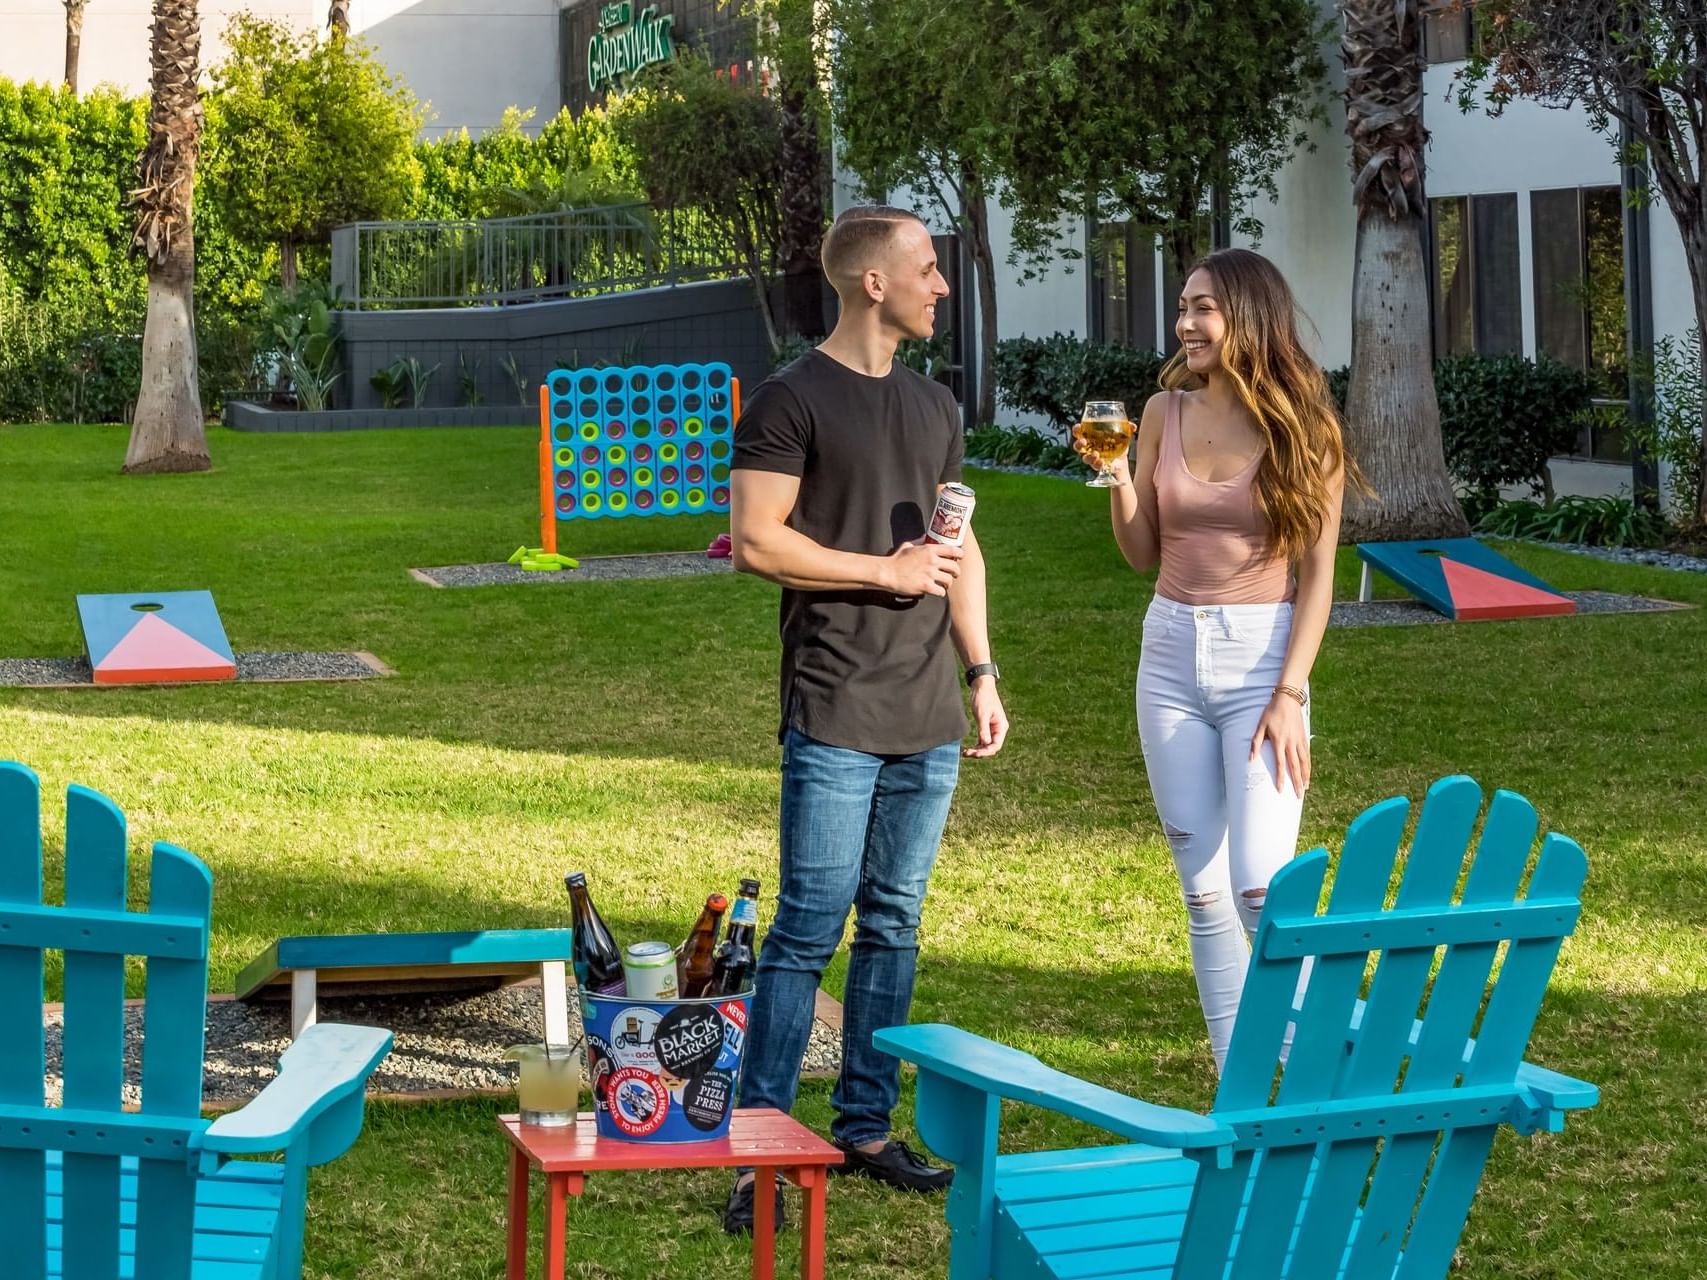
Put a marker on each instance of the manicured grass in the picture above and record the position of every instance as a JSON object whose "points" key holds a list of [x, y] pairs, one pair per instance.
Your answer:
{"points": [[628, 729]]}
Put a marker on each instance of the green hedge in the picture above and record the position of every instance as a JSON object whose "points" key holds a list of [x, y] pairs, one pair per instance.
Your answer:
{"points": [[72, 295], [1054, 376]]}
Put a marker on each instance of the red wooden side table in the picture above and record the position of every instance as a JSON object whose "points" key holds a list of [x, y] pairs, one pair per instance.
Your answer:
{"points": [[761, 1137]]}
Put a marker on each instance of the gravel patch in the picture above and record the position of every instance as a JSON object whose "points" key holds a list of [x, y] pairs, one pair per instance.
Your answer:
{"points": [[1401, 613], [443, 1042], [667, 564], [1624, 555], [260, 667]]}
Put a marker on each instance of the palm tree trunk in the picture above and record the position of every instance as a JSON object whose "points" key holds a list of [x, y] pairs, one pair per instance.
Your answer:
{"points": [[167, 433], [73, 41], [338, 20], [802, 216], [976, 211], [1392, 417]]}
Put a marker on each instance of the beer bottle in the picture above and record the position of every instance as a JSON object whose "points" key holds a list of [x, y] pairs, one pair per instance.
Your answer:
{"points": [[597, 959], [700, 950], [732, 973]]}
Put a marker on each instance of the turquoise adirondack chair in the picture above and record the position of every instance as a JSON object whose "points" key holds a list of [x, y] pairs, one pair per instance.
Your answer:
{"points": [[1356, 1159], [89, 1191]]}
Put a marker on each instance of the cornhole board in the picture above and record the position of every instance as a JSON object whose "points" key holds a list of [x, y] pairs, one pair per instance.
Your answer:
{"points": [[1461, 578], [397, 963], [163, 638]]}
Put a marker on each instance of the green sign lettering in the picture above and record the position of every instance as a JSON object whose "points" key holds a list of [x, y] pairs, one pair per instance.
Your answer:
{"points": [[625, 45]]}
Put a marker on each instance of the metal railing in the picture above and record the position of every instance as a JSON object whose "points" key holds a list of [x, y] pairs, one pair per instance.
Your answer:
{"points": [[574, 253]]}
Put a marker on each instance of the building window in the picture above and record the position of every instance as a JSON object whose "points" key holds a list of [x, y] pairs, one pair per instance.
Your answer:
{"points": [[1580, 315], [1449, 31], [1123, 286], [1477, 303]]}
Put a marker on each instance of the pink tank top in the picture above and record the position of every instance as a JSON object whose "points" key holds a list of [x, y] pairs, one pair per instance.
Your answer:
{"points": [[1214, 538]]}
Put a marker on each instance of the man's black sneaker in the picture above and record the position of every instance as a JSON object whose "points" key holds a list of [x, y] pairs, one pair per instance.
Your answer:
{"points": [[738, 1213], [894, 1164]]}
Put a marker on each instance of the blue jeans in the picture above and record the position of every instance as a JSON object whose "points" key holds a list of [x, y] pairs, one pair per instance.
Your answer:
{"points": [[858, 831]]}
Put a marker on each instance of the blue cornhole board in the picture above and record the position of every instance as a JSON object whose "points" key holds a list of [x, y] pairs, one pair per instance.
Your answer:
{"points": [[1419, 567], [388, 963]]}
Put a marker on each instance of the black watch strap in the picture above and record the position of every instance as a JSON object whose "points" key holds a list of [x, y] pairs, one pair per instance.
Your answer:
{"points": [[982, 669]]}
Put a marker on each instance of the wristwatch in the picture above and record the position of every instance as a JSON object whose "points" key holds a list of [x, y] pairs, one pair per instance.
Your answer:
{"points": [[982, 669]]}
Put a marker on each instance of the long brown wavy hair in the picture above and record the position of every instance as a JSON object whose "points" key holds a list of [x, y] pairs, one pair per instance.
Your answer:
{"points": [[1284, 390]]}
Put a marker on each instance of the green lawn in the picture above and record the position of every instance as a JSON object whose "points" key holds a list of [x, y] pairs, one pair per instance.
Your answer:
{"points": [[628, 729]]}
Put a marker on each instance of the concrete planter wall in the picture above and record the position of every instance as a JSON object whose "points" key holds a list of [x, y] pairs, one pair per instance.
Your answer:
{"points": [[712, 321], [243, 416]]}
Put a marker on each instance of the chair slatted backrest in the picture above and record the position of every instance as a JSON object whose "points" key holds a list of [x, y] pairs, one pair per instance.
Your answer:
{"points": [[95, 932], [1363, 1163]]}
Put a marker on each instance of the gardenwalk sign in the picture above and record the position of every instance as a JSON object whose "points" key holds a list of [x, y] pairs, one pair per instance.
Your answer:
{"points": [[623, 44]]}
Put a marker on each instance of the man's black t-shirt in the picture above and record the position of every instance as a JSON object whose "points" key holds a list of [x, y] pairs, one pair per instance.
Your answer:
{"points": [[861, 669]]}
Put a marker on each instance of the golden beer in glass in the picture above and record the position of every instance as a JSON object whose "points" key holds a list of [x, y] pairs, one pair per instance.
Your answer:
{"points": [[1104, 435]]}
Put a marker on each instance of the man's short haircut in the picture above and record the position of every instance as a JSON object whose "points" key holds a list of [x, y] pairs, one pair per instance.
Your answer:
{"points": [[859, 237]]}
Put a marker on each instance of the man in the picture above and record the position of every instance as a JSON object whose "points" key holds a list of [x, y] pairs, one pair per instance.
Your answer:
{"points": [[838, 460]]}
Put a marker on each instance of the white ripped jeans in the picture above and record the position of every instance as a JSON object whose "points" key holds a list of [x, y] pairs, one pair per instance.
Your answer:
{"points": [[1205, 675]]}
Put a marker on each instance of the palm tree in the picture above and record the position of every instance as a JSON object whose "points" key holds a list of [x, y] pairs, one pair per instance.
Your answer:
{"points": [[802, 196], [167, 433], [338, 20], [73, 41], [1392, 418]]}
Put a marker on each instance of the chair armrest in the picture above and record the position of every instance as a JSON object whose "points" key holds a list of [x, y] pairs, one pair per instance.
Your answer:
{"points": [[320, 1076], [1551, 1090], [1004, 1072], [1554, 1091]]}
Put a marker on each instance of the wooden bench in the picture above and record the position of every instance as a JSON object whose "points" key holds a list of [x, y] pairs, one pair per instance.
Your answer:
{"points": [[392, 963]]}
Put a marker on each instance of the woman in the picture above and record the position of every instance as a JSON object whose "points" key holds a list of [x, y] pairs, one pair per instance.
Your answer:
{"points": [[1236, 493]]}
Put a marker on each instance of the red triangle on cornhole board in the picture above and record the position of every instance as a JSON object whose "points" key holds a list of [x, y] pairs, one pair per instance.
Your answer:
{"points": [[156, 651], [1476, 593]]}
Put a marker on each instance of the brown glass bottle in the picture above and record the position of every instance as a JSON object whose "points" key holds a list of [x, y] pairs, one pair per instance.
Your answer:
{"points": [[699, 952], [596, 957], [737, 957]]}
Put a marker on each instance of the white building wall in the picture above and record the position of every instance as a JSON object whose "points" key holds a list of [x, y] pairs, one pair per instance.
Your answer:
{"points": [[1310, 232], [115, 37], [468, 59]]}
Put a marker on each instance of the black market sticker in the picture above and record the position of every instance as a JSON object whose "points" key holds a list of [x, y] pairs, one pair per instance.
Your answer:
{"points": [[688, 1040]]}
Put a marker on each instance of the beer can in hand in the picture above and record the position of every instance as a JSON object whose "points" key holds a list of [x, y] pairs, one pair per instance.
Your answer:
{"points": [[953, 515]]}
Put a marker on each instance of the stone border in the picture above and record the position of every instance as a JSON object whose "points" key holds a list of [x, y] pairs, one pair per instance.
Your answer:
{"points": [[252, 668], [652, 564], [1410, 612]]}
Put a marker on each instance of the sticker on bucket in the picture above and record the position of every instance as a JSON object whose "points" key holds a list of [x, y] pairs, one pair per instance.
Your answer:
{"points": [[665, 1070], [639, 1103]]}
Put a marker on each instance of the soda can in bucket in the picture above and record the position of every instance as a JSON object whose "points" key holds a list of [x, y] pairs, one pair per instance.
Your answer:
{"points": [[953, 514], [649, 970], [664, 1070]]}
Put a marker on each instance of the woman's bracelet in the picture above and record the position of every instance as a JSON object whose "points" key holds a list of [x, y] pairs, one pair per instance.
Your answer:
{"points": [[1293, 691]]}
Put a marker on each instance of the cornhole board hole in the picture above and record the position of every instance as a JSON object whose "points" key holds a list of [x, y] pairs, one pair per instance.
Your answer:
{"points": [[163, 638], [401, 963], [1460, 578]]}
